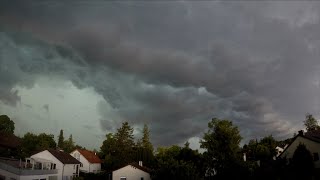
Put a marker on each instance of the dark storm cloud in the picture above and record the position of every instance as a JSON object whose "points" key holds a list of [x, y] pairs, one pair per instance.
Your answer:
{"points": [[173, 65]]}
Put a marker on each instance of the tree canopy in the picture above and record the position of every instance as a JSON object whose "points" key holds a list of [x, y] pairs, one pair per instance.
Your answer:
{"points": [[118, 148], [144, 148], [221, 143], [6, 124], [311, 123], [32, 142], [178, 163], [61, 139]]}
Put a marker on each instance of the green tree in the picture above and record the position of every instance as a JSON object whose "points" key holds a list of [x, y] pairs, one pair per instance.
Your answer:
{"points": [[6, 124], [125, 143], [118, 149], [69, 145], [46, 141], [176, 163], [302, 162], [221, 143], [61, 140], [268, 144], [107, 152], [144, 148], [311, 123], [145, 140], [32, 143]]}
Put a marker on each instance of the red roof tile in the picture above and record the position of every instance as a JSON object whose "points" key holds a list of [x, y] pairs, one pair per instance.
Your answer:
{"points": [[90, 156], [9, 140]]}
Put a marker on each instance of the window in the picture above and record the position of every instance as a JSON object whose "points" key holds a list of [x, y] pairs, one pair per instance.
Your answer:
{"points": [[141, 178], [123, 178], [315, 156], [54, 166]]}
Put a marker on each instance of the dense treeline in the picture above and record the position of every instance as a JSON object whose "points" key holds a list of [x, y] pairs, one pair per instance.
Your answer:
{"points": [[222, 158]]}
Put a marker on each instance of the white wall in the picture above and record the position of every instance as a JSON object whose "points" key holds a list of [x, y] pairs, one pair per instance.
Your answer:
{"points": [[312, 146], [86, 166], [95, 167], [63, 170], [131, 173], [70, 169], [9, 175]]}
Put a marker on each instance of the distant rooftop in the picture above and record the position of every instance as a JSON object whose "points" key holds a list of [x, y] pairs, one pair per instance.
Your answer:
{"points": [[9, 140], [90, 156]]}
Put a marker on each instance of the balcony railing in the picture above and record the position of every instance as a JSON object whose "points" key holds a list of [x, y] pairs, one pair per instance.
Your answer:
{"points": [[24, 171]]}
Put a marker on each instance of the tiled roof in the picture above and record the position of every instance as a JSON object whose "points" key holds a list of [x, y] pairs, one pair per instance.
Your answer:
{"points": [[136, 165], [64, 157], [90, 156], [315, 135], [9, 140], [143, 168]]}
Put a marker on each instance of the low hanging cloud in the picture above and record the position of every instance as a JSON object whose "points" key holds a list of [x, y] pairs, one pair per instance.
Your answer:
{"points": [[172, 65]]}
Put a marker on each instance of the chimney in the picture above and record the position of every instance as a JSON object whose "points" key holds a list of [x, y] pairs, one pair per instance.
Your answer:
{"points": [[140, 163], [300, 132]]}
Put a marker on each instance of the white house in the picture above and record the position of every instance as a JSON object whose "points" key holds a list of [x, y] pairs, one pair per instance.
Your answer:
{"points": [[90, 162], [66, 165], [310, 140], [32, 169], [131, 171]]}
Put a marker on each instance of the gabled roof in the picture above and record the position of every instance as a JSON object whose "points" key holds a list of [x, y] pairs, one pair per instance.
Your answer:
{"points": [[309, 135], [64, 157], [136, 165], [314, 135], [9, 140], [143, 168], [90, 156]]}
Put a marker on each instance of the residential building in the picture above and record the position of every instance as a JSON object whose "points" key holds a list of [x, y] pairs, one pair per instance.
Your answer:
{"points": [[132, 171], [66, 165], [31, 169], [312, 142], [90, 162]]}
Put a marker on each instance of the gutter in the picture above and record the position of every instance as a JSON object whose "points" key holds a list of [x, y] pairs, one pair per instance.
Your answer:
{"points": [[62, 172]]}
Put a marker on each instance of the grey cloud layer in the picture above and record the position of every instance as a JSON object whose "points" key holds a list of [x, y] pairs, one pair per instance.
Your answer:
{"points": [[173, 65]]}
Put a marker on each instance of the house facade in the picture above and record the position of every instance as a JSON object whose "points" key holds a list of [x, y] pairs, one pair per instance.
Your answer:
{"points": [[312, 143], [90, 162], [131, 171], [66, 165]]}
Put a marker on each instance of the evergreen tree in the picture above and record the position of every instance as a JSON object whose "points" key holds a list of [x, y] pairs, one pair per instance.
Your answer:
{"points": [[61, 139], [145, 140], [68, 145], [117, 149], [144, 149]]}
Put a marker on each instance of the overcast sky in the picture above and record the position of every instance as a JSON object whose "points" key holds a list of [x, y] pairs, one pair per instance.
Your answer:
{"points": [[87, 66]]}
